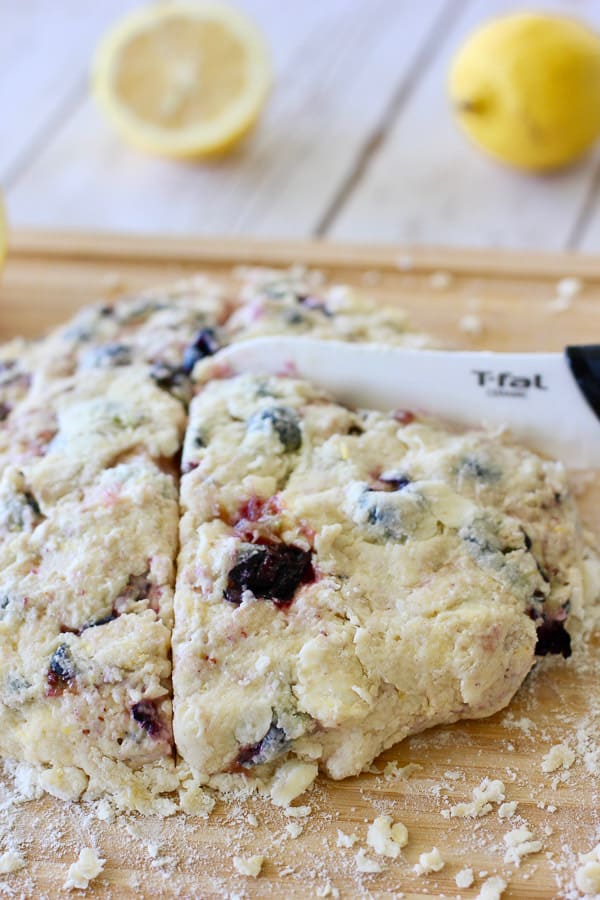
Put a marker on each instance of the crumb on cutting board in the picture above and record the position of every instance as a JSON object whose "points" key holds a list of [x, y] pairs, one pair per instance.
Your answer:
{"points": [[345, 840], [569, 286], [328, 890], [292, 779], [429, 862], [558, 757], [404, 262], [371, 278], [520, 842], [492, 889], [11, 861], [85, 869], [440, 281], [392, 771], [366, 864], [587, 878], [508, 809], [484, 795], [249, 866], [464, 878], [386, 837], [471, 324]]}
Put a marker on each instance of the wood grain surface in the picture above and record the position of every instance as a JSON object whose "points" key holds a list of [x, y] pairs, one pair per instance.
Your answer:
{"points": [[46, 278]]}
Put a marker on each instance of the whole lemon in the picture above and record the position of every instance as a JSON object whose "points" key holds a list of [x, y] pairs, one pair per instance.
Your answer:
{"points": [[526, 88]]}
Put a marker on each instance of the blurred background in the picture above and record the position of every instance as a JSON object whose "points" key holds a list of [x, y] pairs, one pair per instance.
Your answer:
{"points": [[357, 141]]}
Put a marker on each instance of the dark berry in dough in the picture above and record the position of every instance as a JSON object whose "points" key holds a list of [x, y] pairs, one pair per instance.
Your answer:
{"points": [[285, 423], [271, 572], [273, 744], [204, 344], [146, 715]]}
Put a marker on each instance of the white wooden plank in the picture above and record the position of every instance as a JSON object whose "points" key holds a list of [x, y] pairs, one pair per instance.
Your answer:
{"points": [[338, 64], [45, 48], [427, 184]]}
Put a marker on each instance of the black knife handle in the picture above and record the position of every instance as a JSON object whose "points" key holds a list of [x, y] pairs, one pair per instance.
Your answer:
{"points": [[584, 361]]}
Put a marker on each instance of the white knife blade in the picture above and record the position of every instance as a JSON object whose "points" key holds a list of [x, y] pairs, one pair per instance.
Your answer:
{"points": [[549, 401]]}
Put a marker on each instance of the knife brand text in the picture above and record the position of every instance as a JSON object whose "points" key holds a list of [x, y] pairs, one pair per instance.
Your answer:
{"points": [[507, 384]]}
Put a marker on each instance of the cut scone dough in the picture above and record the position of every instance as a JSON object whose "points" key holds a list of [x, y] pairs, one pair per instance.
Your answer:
{"points": [[88, 535], [68, 430], [18, 361], [154, 328], [346, 579], [297, 302], [169, 329], [91, 421]]}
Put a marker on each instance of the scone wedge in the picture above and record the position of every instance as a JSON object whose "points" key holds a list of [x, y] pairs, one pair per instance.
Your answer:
{"points": [[347, 578], [88, 536]]}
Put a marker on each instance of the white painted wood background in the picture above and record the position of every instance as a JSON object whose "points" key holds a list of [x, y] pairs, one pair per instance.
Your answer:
{"points": [[357, 141]]}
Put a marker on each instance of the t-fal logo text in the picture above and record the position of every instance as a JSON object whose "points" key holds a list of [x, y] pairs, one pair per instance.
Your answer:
{"points": [[506, 384]]}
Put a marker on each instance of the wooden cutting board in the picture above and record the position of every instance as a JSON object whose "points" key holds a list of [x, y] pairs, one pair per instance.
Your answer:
{"points": [[512, 296]]}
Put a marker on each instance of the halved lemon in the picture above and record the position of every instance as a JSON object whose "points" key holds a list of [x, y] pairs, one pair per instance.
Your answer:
{"points": [[183, 79]]}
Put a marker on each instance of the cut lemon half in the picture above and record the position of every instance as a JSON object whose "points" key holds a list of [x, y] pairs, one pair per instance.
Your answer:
{"points": [[183, 79]]}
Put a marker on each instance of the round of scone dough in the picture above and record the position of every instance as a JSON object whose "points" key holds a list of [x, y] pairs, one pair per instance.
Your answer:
{"points": [[347, 578], [344, 578]]}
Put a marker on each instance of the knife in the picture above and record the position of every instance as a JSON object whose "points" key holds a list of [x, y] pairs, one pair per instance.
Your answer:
{"points": [[549, 401]]}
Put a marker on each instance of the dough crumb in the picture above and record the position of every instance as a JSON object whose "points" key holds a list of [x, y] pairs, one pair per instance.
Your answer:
{"points": [[371, 278], [392, 771], [11, 861], [471, 324], [557, 757], [64, 783], [194, 800], [492, 889], [519, 844], [484, 795], [506, 810], [400, 834], [26, 781], [248, 865], [291, 780], [587, 878], [364, 863], [440, 281], [346, 840], [328, 890], [85, 869], [464, 878], [298, 812], [294, 829], [104, 811], [569, 287], [592, 856], [386, 838], [429, 862], [404, 262]]}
